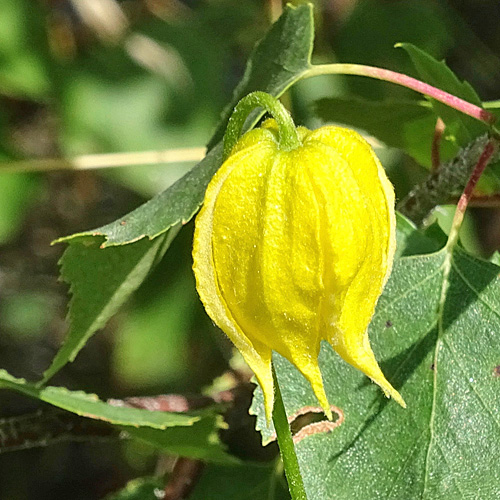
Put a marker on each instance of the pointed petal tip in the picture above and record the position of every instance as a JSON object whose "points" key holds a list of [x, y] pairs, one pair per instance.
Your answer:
{"points": [[320, 393], [390, 392], [316, 381], [397, 397], [268, 407], [265, 380], [328, 413]]}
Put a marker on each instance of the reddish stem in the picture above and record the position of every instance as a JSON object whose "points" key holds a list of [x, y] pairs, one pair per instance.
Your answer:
{"points": [[464, 200], [436, 144], [481, 201], [482, 163], [438, 94], [406, 81]]}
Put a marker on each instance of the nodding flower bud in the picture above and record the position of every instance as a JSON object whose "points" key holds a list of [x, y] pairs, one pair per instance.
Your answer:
{"points": [[294, 246]]}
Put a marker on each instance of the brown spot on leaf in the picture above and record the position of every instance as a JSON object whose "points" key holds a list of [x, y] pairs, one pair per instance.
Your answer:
{"points": [[304, 422], [432, 366], [388, 323], [496, 371]]}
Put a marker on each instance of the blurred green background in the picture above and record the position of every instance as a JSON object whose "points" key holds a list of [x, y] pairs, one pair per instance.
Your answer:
{"points": [[139, 75]]}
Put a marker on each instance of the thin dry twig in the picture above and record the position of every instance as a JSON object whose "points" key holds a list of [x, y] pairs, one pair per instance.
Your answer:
{"points": [[110, 160]]}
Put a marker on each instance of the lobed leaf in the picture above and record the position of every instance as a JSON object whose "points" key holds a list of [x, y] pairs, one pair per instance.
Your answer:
{"points": [[89, 405], [101, 280]]}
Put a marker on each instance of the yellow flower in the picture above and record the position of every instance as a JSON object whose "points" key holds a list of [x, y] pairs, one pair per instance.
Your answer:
{"points": [[292, 247]]}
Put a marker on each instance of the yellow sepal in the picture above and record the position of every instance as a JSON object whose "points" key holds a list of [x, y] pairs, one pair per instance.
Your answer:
{"points": [[294, 247]]}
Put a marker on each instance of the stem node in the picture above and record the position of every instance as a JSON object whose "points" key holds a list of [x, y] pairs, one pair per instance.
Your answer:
{"points": [[288, 137]]}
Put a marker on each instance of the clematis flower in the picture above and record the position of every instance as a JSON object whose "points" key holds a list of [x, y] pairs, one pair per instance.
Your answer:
{"points": [[293, 247]]}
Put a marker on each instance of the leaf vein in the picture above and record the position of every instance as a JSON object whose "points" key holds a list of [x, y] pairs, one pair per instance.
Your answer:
{"points": [[408, 291], [446, 271]]}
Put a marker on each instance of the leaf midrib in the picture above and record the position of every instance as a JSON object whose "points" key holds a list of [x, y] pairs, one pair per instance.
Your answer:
{"points": [[446, 268]]}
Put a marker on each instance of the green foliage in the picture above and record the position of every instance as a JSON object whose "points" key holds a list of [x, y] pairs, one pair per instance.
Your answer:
{"points": [[167, 210], [242, 482], [23, 50], [280, 58], [139, 356], [192, 435], [200, 440], [409, 125], [174, 206], [101, 280], [435, 327], [368, 35], [409, 241], [15, 189], [245, 482], [370, 32]]}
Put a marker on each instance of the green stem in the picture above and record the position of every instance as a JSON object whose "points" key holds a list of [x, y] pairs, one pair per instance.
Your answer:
{"points": [[406, 81], [287, 136], [286, 445]]}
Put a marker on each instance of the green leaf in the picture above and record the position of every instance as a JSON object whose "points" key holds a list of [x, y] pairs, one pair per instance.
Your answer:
{"points": [[403, 124], [89, 405], [413, 241], [200, 441], [493, 107], [175, 205], [435, 333], [244, 482], [436, 73], [277, 62], [144, 488], [101, 280]]}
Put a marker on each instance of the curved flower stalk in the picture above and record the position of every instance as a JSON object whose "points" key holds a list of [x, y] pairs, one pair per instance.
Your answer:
{"points": [[293, 245]]}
